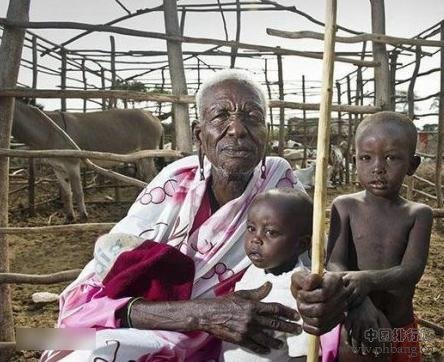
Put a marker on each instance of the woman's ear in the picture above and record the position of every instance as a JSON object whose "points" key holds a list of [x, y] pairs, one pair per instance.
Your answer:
{"points": [[415, 161], [196, 130]]}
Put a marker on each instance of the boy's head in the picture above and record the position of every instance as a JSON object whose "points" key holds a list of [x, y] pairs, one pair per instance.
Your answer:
{"points": [[279, 228], [385, 152]]}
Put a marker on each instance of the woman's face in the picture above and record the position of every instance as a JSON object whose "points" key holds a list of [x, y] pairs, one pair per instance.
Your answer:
{"points": [[232, 130]]}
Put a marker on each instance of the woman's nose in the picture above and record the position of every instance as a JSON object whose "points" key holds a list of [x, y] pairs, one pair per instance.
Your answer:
{"points": [[236, 126]]}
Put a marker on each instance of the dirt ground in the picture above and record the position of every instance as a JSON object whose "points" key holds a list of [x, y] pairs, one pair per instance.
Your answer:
{"points": [[52, 253]]}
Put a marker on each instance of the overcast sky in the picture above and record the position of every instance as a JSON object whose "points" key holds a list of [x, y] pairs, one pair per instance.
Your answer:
{"points": [[404, 18]]}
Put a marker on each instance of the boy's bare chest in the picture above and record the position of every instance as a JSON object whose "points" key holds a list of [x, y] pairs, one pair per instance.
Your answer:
{"points": [[379, 240]]}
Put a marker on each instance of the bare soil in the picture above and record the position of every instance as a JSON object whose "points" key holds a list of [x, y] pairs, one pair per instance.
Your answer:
{"points": [[51, 253]]}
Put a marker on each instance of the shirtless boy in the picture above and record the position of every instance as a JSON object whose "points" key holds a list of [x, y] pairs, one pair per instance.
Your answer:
{"points": [[382, 241]]}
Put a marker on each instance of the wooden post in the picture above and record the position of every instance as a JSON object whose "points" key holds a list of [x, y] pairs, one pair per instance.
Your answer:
{"points": [[102, 79], [10, 54], [34, 62], [281, 109], [349, 135], [393, 61], [84, 83], [382, 75], [339, 140], [439, 151], [238, 29], [270, 110], [113, 101], [304, 120], [182, 21], [411, 111], [63, 78], [320, 190], [177, 75]]}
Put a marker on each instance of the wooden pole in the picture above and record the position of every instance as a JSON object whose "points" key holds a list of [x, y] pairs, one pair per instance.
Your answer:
{"points": [[270, 110], [410, 181], [84, 84], [112, 101], [393, 61], [177, 75], [281, 110], [382, 75], [320, 194], [102, 79], [339, 139], [349, 135], [10, 55], [238, 30], [304, 120], [34, 63], [63, 78], [439, 151]]}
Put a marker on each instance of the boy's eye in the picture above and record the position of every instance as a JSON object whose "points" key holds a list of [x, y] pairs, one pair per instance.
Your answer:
{"points": [[250, 228], [363, 157], [390, 157]]}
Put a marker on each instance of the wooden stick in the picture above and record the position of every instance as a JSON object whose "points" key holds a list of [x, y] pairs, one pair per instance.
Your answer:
{"points": [[157, 97], [57, 229], [440, 145], [320, 194], [377, 38], [18, 278], [130, 157]]}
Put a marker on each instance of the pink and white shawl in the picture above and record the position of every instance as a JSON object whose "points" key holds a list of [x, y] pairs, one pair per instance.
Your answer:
{"points": [[164, 212]]}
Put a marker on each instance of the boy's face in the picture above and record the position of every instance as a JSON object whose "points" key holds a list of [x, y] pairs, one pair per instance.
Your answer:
{"points": [[383, 158], [270, 241]]}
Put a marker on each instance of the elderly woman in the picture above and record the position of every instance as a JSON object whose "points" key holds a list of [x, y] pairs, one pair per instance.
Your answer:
{"points": [[196, 205]]}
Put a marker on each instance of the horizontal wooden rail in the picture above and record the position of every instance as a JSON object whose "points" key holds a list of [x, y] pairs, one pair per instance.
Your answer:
{"points": [[182, 39], [59, 277], [107, 156], [57, 229], [157, 97], [377, 38]]}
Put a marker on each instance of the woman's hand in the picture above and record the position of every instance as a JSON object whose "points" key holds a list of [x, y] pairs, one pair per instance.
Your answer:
{"points": [[322, 300], [241, 318], [362, 325]]}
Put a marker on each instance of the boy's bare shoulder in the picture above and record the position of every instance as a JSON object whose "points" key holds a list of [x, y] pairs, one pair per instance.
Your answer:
{"points": [[348, 200], [419, 209]]}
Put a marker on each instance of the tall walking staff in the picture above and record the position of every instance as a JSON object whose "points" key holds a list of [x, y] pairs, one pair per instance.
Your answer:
{"points": [[320, 194]]}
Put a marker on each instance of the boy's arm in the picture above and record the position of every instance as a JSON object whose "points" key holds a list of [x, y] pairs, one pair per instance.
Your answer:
{"points": [[413, 263], [338, 257]]}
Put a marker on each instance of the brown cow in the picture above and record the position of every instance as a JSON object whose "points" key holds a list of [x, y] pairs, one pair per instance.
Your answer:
{"points": [[117, 130]]}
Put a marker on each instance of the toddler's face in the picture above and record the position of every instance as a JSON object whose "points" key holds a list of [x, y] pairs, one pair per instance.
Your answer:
{"points": [[269, 240], [383, 159]]}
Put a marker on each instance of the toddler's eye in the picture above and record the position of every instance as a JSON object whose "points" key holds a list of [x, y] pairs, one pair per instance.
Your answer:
{"points": [[271, 233], [250, 228], [390, 157]]}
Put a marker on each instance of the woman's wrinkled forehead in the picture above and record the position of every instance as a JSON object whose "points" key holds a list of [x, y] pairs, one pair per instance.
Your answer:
{"points": [[232, 93]]}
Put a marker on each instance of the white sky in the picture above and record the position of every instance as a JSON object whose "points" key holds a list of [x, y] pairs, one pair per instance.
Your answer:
{"points": [[404, 18]]}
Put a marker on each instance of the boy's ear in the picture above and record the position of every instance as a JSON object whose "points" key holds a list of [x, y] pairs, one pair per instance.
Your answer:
{"points": [[415, 161]]}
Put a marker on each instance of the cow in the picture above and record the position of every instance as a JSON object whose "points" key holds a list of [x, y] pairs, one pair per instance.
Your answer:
{"points": [[116, 130], [337, 162]]}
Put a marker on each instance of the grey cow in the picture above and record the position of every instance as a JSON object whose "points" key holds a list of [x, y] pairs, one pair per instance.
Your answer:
{"points": [[117, 130]]}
